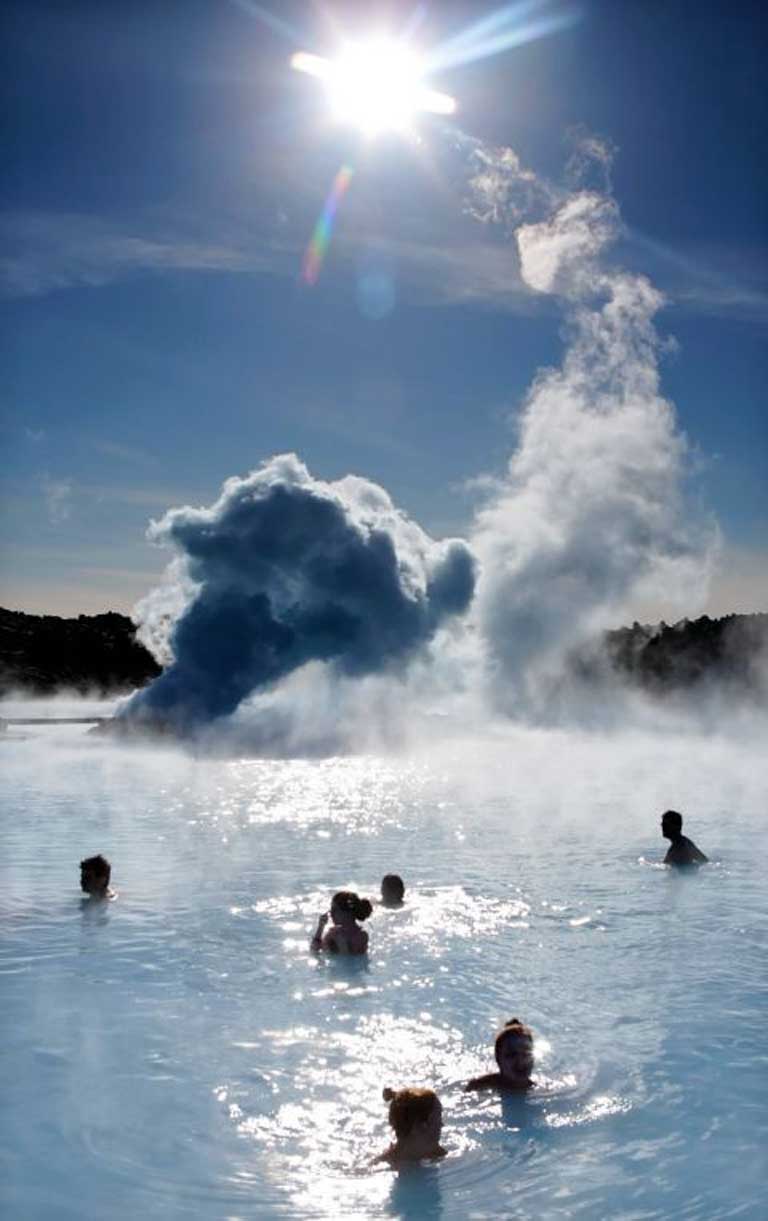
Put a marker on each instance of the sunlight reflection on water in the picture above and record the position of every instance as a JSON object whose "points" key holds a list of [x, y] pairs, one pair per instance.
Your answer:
{"points": [[181, 1052]]}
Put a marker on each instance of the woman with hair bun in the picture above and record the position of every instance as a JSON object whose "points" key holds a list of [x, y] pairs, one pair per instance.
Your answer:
{"points": [[345, 935], [513, 1049], [417, 1119]]}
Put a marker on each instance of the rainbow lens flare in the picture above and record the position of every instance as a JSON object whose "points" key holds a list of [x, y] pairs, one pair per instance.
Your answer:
{"points": [[321, 236]]}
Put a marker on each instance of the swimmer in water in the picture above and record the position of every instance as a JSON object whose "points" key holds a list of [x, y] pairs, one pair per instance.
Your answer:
{"points": [[417, 1119], [682, 850], [392, 890], [513, 1049], [344, 936], [95, 872]]}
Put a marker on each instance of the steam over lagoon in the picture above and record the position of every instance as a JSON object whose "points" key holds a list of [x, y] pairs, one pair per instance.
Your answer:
{"points": [[180, 1052]]}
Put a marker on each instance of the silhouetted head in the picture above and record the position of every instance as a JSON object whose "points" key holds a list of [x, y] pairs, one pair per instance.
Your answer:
{"points": [[95, 872], [392, 890], [513, 1050], [347, 903], [415, 1112], [671, 824]]}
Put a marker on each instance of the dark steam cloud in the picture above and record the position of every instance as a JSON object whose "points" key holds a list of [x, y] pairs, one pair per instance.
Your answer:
{"points": [[283, 570]]}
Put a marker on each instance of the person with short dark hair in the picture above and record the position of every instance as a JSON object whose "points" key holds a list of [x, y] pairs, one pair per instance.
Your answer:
{"points": [[416, 1115], [95, 872], [513, 1049], [345, 935], [392, 890], [681, 850]]}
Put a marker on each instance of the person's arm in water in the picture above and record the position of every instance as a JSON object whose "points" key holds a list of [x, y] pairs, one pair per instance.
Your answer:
{"points": [[327, 941], [488, 1081], [317, 941], [697, 855]]}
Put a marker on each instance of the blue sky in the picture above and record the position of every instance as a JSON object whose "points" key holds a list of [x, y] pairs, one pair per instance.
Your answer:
{"points": [[164, 171]]}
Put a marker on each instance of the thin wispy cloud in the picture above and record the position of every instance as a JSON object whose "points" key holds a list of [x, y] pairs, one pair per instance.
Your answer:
{"points": [[142, 497], [60, 495], [707, 281], [52, 252], [126, 453], [57, 494]]}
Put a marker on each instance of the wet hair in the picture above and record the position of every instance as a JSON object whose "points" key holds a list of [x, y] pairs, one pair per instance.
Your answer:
{"points": [[673, 820], [97, 866], [347, 901], [393, 884], [408, 1107], [515, 1029]]}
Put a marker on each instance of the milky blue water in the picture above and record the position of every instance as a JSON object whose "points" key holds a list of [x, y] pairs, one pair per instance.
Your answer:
{"points": [[179, 1053]]}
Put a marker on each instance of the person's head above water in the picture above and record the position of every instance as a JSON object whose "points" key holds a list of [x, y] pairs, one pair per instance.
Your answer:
{"points": [[346, 905], [416, 1115], [95, 872], [392, 890], [671, 824], [513, 1049]]}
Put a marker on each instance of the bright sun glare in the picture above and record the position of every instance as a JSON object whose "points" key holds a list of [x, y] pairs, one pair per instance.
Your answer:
{"points": [[375, 85]]}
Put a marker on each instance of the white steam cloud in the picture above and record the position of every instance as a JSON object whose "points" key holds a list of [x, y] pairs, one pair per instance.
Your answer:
{"points": [[590, 516]]}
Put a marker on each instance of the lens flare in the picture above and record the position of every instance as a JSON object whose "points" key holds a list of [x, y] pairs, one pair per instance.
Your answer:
{"points": [[321, 236], [375, 85]]}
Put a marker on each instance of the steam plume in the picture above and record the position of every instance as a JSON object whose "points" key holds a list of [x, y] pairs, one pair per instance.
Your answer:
{"points": [[282, 570], [590, 514]]}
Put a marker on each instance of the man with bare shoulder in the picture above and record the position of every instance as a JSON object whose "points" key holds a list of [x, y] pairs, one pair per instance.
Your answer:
{"points": [[682, 850]]}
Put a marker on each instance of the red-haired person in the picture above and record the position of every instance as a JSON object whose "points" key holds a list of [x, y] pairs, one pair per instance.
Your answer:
{"points": [[345, 935], [513, 1049], [416, 1116]]}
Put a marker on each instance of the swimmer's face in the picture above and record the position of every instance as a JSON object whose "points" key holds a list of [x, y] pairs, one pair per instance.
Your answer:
{"points": [[93, 883], [515, 1058], [670, 827]]}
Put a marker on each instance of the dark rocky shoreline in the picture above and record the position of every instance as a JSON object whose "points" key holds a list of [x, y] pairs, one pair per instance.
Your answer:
{"points": [[99, 655], [89, 655]]}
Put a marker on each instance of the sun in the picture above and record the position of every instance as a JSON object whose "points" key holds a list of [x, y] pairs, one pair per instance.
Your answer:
{"points": [[376, 85]]}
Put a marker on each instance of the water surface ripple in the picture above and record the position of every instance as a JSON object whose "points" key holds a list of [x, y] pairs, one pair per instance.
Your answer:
{"points": [[179, 1053]]}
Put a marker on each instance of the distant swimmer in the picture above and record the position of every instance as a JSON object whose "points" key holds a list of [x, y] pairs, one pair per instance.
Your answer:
{"points": [[682, 850], [513, 1049], [344, 936], [95, 872], [392, 890], [416, 1116]]}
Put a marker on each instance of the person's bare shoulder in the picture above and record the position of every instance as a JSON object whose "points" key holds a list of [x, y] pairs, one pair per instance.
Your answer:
{"points": [[386, 1157], [489, 1081]]}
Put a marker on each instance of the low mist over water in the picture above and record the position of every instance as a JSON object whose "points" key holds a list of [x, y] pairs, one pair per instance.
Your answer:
{"points": [[180, 1052]]}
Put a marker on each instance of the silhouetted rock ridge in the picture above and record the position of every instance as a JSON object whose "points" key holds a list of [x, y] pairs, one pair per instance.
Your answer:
{"points": [[730, 653], [93, 654]]}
